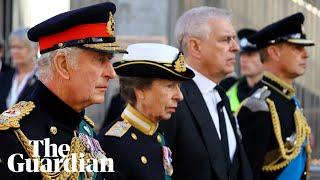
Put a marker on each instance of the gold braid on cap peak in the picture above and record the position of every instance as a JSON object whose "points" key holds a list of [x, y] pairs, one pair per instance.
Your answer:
{"points": [[303, 132], [180, 63]]}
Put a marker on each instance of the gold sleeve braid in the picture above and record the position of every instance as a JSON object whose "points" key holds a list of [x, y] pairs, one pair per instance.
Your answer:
{"points": [[76, 147], [302, 133]]}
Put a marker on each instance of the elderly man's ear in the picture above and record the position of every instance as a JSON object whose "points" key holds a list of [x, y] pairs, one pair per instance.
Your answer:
{"points": [[194, 47], [61, 65]]}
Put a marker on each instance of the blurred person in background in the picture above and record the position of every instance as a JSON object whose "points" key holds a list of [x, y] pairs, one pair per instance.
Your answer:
{"points": [[229, 80], [3, 66], [19, 82], [251, 69]]}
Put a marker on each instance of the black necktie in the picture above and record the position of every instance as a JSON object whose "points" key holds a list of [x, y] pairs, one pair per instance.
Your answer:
{"points": [[222, 122]]}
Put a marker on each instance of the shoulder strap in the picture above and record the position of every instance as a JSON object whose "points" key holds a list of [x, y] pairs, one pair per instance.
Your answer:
{"points": [[118, 129], [11, 117]]}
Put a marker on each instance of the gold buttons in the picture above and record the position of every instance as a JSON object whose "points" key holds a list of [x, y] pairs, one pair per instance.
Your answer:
{"points": [[134, 136], [53, 130], [159, 138], [144, 160]]}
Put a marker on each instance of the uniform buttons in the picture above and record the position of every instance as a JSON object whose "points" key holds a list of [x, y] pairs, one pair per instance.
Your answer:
{"points": [[144, 160], [159, 138], [53, 130], [134, 136]]}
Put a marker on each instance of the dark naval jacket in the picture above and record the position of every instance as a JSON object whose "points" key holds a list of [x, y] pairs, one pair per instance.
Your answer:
{"points": [[43, 115], [263, 132], [137, 148]]}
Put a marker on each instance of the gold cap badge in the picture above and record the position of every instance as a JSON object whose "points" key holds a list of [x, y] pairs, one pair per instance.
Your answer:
{"points": [[110, 24], [180, 63]]}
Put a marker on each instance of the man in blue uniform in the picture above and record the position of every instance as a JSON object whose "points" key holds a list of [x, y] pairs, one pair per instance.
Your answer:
{"points": [[274, 130], [74, 71]]}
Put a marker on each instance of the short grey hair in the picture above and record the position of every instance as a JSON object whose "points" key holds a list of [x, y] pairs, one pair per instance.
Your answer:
{"points": [[194, 23], [22, 34], [45, 62]]}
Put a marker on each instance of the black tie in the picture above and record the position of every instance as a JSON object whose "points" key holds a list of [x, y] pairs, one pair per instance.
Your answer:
{"points": [[222, 122]]}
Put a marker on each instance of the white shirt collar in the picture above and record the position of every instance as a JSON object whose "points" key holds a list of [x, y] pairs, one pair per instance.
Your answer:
{"points": [[204, 84]]}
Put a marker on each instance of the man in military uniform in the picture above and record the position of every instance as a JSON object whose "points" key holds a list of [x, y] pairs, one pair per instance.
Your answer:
{"points": [[251, 69], [74, 71], [274, 130], [150, 75]]}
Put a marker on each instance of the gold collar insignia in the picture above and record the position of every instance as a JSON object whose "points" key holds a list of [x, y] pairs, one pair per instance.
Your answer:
{"points": [[139, 121], [278, 85]]}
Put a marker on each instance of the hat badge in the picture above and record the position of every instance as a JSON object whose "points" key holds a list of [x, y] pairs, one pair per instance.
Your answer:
{"points": [[110, 24], [180, 63]]}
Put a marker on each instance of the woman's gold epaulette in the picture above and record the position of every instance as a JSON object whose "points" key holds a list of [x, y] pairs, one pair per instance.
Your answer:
{"points": [[11, 117], [89, 121]]}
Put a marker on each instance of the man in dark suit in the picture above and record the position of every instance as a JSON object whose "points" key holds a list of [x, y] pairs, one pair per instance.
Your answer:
{"points": [[202, 134]]}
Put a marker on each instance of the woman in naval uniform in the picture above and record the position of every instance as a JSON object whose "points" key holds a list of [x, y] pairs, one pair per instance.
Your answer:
{"points": [[150, 75]]}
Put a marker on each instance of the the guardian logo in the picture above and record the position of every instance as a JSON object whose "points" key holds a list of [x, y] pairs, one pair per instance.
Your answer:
{"points": [[57, 159]]}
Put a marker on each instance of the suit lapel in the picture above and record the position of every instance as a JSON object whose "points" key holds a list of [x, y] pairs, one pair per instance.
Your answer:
{"points": [[198, 107], [244, 166], [232, 120]]}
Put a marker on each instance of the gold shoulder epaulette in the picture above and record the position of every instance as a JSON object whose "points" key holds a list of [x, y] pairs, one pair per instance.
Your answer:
{"points": [[89, 121], [11, 117], [118, 129]]}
